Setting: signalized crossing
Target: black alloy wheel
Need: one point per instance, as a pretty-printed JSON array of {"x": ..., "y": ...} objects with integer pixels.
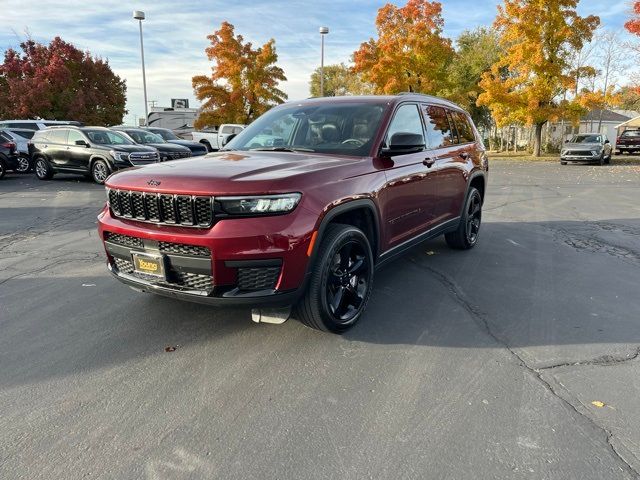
[
  {"x": 466, "y": 235},
  {"x": 341, "y": 280}
]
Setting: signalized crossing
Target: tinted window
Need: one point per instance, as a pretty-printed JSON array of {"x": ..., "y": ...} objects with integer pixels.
[
  {"x": 438, "y": 127},
  {"x": 406, "y": 120},
  {"x": 335, "y": 128},
  {"x": 75, "y": 135},
  {"x": 465, "y": 131},
  {"x": 586, "y": 139},
  {"x": 631, "y": 133},
  {"x": 107, "y": 137},
  {"x": 165, "y": 134},
  {"x": 5, "y": 138},
  {"x": 59, "y": 135},
  {"x": 143, "y": 136},
  {"x": 29, "y": 125},
  {"x": 27, "y": 134}
]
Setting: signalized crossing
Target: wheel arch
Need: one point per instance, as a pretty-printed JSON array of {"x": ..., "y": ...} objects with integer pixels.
[{"x": 361, "y": 213}]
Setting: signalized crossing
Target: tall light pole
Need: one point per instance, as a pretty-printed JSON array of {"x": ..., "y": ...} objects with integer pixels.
[
  {"x": 138, "y": 15},
  {"x": 323, "y": 31}
]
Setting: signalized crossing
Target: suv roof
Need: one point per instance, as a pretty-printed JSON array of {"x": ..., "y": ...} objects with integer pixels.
[{"x": 417, "y": 97}]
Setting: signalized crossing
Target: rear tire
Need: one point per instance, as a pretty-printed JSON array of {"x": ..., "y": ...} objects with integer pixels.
[
  {"x": 43, "y": 169},
  {"x": 341, "y": 281},
  {"x": 563, "y": 163},
  {"x": 466, "y": 235},
  {"x": 3, "y": 168},
  {"x": 601, "y": 159},
  {"x": 24, "y": 164}
]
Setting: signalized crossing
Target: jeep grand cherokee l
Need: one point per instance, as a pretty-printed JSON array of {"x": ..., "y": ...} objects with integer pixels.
[
  {"x": 301, "y": 206},
  {"x": 91, "y": 151}
]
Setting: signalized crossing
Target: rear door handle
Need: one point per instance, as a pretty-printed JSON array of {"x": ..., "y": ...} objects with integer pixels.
[{"x": 429, "y": 161}]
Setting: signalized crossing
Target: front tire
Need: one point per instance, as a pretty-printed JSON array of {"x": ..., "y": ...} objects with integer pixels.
[
  {"x": 341, "y": 281},
  {"x": 3, "y": 168},
  {"x": 99, "y": 171},
  {"x": 466, "y": 235},
  {"x": 24, "y": 164},
  {"x": 43, "y": 169}
]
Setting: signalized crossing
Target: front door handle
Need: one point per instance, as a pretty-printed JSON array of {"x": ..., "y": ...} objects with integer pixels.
[{"x": 429, "y": 161}]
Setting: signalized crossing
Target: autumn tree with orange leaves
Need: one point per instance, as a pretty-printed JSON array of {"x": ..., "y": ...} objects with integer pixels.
[
  {"x": 244, "y": 81},
  {"x": 526, "y": 84},
  {"x": 410, "y": 53},
  {"x": 633, "y": 25}
]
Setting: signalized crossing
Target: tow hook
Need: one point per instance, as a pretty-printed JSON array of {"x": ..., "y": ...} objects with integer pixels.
[{"x": 275, "y": 316}]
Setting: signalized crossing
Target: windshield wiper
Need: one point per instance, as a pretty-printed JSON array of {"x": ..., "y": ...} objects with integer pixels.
[{"x": 280, "y": 149}]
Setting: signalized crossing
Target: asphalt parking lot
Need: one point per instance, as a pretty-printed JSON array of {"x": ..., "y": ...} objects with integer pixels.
[{"x": 478, "y": 364}]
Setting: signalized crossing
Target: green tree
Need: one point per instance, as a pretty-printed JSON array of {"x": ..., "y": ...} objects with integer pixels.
[
  {"x": 339, "y": 80},
  {"x": 59, "y": 81},
  {"x": 526, "y": 85},
  {"x": 476, "y": 51},
  {"x": 244, "y": 81}
]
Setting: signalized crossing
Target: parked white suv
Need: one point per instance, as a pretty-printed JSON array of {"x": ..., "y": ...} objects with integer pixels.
[{"x": 213, "y": 139}]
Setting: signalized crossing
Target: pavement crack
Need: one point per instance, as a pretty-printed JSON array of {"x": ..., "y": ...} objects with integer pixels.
[
  {"x": 603, "y": 361},
  {"x": 481, "y": 320}
]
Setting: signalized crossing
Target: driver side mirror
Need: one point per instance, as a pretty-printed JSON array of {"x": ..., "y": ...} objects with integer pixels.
[
  {"x": 82, "y": 143},
  {"x": 566, "y": 141},
  {"x": 228, "y": 139},
  {"x": 402, "y": 142},
  {"x": 606, "y": 141}
]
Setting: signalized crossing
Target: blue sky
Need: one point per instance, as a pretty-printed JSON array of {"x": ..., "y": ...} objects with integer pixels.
[{"x": 175, "y": 33}]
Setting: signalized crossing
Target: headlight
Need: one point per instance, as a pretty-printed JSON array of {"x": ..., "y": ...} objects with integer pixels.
[
  {"x": 259, "y": 205},
  {"x": 119, "y": 156}
]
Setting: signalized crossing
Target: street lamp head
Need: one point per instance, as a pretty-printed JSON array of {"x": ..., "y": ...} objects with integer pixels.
[
  {"x": 138, "y": 15},
  {"x": 323, "y": 30}
]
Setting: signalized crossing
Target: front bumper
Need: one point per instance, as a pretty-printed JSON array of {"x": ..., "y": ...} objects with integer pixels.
[
  {"x": 580, "y": 158},
  {"x": 249, "y": 261}
]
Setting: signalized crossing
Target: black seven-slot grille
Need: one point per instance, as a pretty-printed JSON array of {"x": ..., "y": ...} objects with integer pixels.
[{"x": 183, "y": 210}]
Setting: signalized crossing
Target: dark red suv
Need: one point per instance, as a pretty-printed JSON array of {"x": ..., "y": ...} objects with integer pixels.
[{"x": 301, "y": 207}]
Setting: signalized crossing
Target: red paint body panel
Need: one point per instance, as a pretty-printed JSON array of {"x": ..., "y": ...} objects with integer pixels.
[{"x": 409, "y": 196}]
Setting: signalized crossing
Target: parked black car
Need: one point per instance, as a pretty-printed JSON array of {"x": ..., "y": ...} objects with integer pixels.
[
  {"x": 168, "y": 136},
  {"x": 168, "y": 151},
  {"x": 8, "y": 155},
  {"x": 91, "y": 151}
]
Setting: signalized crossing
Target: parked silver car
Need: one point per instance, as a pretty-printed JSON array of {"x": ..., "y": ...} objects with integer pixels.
[
  {"x": 21, "y": 138},
  {"x": 586, "y": 147}
]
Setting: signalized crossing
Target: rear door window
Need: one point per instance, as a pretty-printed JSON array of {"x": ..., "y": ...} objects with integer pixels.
[
  {"x": 58, "y": 136},
  {"x": 406, "y": 120},
  {"x": 74, "y": 136},
  {"x": 465, "y": 131},
  {"x": 438, "y": 126}
]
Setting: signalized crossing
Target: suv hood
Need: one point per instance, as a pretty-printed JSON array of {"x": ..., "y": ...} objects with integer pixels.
[
  {"x": 581, "y": 146},
  {"x": 232, "y": 173},
  {"x": 168, "y": 147},
  {"x": 128, "y": 148}
]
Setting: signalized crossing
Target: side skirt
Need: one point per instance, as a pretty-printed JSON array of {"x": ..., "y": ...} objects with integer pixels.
[{"x": 398, "y": 250}]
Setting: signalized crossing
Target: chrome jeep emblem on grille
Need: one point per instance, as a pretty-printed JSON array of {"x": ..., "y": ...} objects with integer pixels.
[{"x": 154, "y": 183}]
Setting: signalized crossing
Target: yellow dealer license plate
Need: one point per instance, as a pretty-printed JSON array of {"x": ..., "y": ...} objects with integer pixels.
[{"x": 148, "y": 264}]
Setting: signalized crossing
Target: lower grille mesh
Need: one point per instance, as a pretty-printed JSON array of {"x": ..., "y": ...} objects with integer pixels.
[{"x": 258, "y": 278}]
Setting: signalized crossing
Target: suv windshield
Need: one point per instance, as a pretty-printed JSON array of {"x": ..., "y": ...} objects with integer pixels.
[
  {"x": 340, "y": 129},
  {"x": 630, "y": 133},
  {"x": 140, "y": 136},
  {"x": 586, "y": 139},
  {"x": 165, "y": 134},
  {"x": 107, "y": 137}
]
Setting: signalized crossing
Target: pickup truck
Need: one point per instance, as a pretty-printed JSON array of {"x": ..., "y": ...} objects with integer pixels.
[
  {"x": 629, "y": 141},
  {"x": 214, "y": 139}
]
